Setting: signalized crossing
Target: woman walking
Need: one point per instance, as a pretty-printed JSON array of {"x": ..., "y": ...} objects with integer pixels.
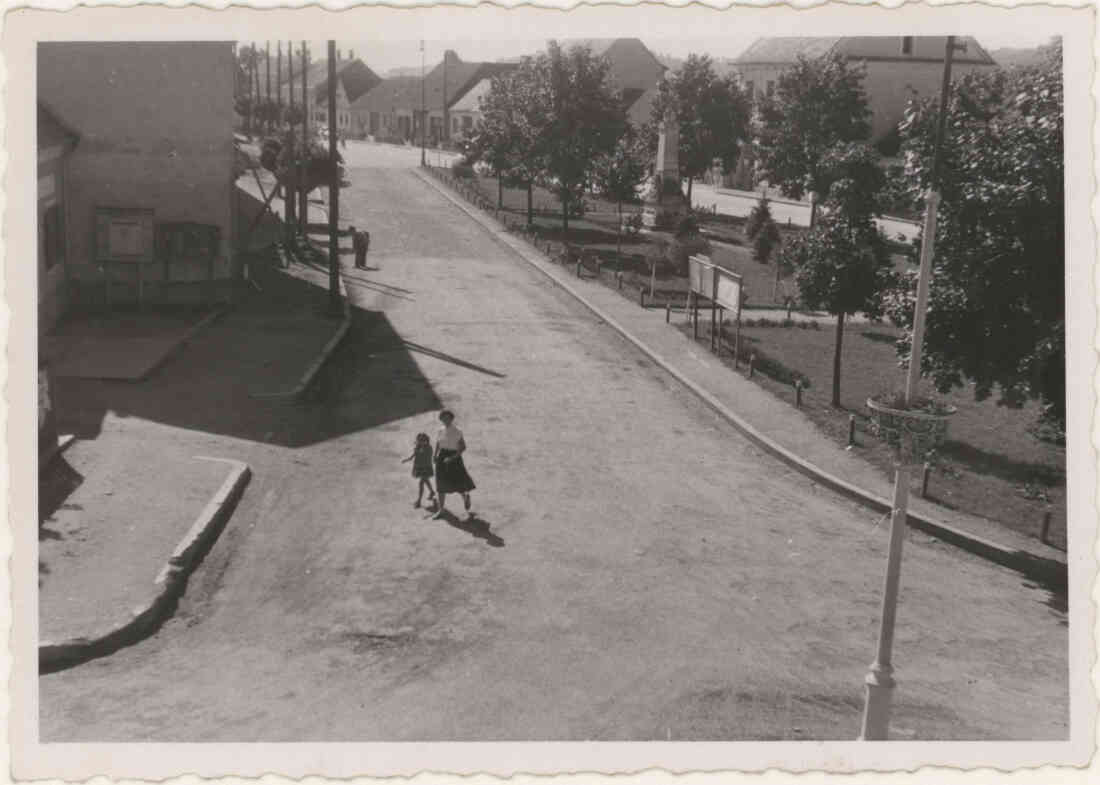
[{"x": 450, "y": 471}]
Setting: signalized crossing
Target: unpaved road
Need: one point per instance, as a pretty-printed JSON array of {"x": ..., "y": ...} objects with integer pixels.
[{"x": 636, "y": 569}]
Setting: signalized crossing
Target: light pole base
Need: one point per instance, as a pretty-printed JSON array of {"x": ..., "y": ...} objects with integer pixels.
[{"x": 876, "y": 710}]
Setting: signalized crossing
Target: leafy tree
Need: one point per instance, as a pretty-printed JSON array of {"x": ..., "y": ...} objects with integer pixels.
[
  {"x": 505, "y": 138},
  {"x": 713, "y": 114},
  {"x": 996, "y": 313},
  {"x": 580, "y": 119},
  {"x": 817, "y": 103},
  {"x": 842, "y": 265},
  {"x": 619, "y": 173}
]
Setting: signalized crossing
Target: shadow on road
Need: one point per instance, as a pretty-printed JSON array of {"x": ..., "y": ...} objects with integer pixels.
[{"x": 475, "y": 526}]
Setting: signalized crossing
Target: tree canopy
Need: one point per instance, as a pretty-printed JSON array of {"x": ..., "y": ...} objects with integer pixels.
[
  {"x": 816, "y": 104},
  {"x": 713, "y": 113},
  {"x": 996, "y": 313}
]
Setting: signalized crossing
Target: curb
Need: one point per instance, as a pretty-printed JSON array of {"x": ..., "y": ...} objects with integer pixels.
[
  {"x": 1029, "y": 564},
  {"x": 306, "y": 379},
  {"x": 169, "y": 585},
  {"x": 194, "y": 330}
]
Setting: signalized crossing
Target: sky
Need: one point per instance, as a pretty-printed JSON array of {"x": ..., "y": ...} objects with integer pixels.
[{"x": 381, "y": 56}]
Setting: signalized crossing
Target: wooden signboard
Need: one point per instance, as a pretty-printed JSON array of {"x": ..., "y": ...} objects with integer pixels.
[{"x": 727, "y": 291}]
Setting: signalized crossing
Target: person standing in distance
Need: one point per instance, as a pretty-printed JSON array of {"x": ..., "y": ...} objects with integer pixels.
[{"x": 450, "y": 470}]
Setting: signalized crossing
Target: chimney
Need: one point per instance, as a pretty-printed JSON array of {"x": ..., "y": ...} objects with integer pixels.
[{"x": 450, "y": 56}]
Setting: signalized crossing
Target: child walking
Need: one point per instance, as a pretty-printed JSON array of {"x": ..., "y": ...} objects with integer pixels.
[{"x": 422, "y": 467}]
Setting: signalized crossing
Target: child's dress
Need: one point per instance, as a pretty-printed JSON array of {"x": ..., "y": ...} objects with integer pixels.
[{"x": 422, "y": 461}]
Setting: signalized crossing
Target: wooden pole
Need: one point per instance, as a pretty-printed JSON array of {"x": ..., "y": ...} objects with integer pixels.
[
  {"x": 333, "y": 189},
  {"x": 303, "y": 193},
  {"x": 267, "y": 59}
]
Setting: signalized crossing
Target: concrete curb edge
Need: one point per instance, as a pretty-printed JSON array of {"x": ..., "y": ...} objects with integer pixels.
[
  {"x": 169, "y": 585},
  {"x": 325, "y": 354},
  {"x": 1029, "y": 564}
]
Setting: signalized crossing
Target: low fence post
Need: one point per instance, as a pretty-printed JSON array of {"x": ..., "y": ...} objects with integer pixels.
[
  {"x": 925, "y": 472},
  {"x": 852, "y": 435},
  {"x": 668, "y": 312},
  {"x": 1044, "y": 530},
  {"x": 752, "y": 364},
  {"x": 578, "y": 268},
  {"x": 798, "y": 393},
  {"x": 619, "y": 280},
  {"x": 641, "y": 297}
]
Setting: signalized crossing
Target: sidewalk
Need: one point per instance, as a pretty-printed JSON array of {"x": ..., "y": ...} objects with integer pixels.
[
  {"x": 765, "y": 419},
  {"x": 158, "y": 466}
]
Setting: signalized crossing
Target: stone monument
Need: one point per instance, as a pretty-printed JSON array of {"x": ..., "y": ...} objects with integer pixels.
[{"x": 664, "y": 203}]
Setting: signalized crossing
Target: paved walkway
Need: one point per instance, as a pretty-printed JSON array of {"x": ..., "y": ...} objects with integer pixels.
[
  {"x": 774, "y": 418},
  {"x": 115, "y": 505}
]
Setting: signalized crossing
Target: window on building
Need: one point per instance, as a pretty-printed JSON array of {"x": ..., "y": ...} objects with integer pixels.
[
  {"x": 467, "y": 123},
  {"x": 770, "y": 88},
  {"x": 52, "y": 245},
  {"x": 751, "y": 87},
  {"x": 907, "y": 45}
]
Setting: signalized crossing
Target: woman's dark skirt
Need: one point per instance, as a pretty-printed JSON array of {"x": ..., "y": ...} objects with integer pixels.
[{"x": 451, "y": 475}]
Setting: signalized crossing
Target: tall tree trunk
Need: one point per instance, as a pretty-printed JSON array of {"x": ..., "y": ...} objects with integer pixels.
[
  {"x": 530, "y": 205},
  {"x": 775, "y": 290},
  {"x": 691, "y": 181},
  {"x": 836, "y": 359},
  {"x": 565, "y": 216},
  {"x": 500, "y": 191}
]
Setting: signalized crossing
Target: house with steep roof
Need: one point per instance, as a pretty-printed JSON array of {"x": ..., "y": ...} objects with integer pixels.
[
  {"x": 897, "y": 67},
  {"x": 395, "y": 109},
  {"x": 353, "y": 80}
]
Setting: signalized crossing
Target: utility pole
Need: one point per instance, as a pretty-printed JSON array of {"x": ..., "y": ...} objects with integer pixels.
[
  {"x": 880, "y": 680},
  {"x": 279, "y": 84},
  {"x": 423, "y": 106},
  {"x": 267, "y": 59},
  {"x": 333, "y": 189},
  {"x": 446, "y": 132},
  {"x": 303, "y": 194},
  {"x": 291, "y": 193},
  {"x": 254, "y": 87}
]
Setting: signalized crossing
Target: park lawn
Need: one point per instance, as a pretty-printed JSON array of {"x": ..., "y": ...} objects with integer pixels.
[{"x": 988, "y": 466}]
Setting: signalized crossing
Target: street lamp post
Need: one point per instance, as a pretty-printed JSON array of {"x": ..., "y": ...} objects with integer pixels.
[
  {"x": 423, "y": 108},
  {"x": 880, "y": 680}
]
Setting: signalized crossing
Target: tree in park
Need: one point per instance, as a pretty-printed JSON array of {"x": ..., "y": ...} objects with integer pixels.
[
  {"x": 580, "y": 119},
  {"x": 816, "y": 104},
  {"x": 842, "y": 265},
  {"x": 713, "y": 113},
  {"x": 619, "y": 173},
  {"x": 996, "y": 314},
  {"x": 763, "y": 233},
  {"x": 507, "y": 137}
]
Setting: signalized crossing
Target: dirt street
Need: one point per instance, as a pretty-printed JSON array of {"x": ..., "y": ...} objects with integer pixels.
[{"x": 635, "y": 569}]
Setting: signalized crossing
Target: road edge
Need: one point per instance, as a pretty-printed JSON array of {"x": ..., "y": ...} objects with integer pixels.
[
  {"x": 1029, "y": 564},
  {"x": 169, "y": 584}
]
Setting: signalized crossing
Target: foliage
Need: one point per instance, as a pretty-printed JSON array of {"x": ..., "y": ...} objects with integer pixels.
[
  {"x": 618, "y": 173},
  {"x": 840, "y": 266},
  {"x": 816, "y": 104},
  {"x": 551, "y": 121},
  {"x": 761, "y": 229},
  {"x": 996, "y": 314},
  {"x": 687, "y": 226},
  {"x": 682, "y": 246},
  {"x": 461, "y": 167},
  {"x": 580, "y": 118},
  {"x": 713, "y": 115}
]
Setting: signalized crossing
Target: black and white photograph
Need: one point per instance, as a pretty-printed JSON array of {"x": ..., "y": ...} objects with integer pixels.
[{"x": 472, "y": 375}]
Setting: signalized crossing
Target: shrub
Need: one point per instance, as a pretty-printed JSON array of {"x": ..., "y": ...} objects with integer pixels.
[
  {"x": 682, "y": 247},
  {"x": 462, "y": 168}
]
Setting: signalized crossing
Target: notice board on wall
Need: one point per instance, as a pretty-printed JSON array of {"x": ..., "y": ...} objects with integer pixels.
[{"x": 123, "y": 234}]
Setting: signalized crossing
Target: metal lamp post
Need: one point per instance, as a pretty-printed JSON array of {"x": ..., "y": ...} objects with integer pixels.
[
  {"x": 423, "y": 109},
  {"x": 880, "y": 680},
  {"x": 333, "y": 189}
]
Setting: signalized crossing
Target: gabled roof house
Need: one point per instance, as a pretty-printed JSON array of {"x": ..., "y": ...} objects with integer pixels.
[{"x": 897, "y": 67}]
